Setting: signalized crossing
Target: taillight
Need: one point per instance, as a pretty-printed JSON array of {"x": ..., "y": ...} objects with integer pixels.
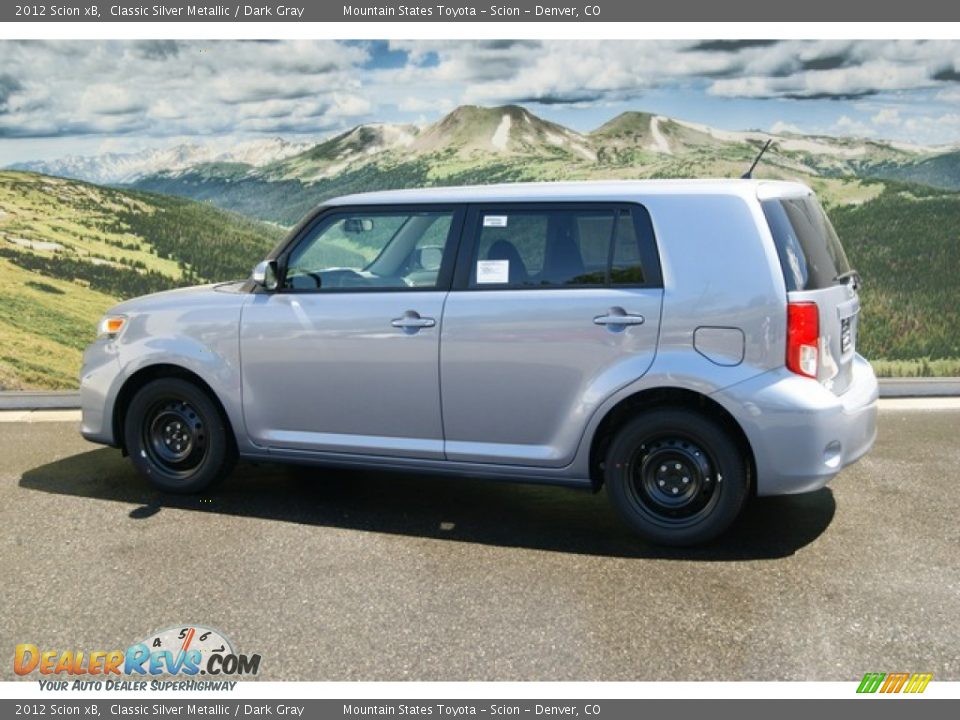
[{"x": 803, "y": 338}]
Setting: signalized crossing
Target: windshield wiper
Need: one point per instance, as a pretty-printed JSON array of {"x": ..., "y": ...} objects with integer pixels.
[{"x": 847, "y": 277}]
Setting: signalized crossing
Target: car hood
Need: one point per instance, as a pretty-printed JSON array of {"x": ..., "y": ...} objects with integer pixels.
[{"x": 181, "y": 298}]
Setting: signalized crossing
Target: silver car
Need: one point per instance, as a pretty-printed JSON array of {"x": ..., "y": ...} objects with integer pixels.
[{"x": 685, "y": 343}]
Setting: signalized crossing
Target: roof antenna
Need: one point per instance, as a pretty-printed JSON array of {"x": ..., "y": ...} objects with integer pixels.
[{"x": 749, "y": 173}]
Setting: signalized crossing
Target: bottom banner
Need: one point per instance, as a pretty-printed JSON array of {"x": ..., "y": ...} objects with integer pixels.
[{"x": 436, "y": 709}]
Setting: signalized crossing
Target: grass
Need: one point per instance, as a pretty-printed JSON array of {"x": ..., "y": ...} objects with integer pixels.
[
  {"x": 44, "y": 325},
  {"x": 76, "y": 216},
  {"x": 96, "y": 251},
  {"x": 924, "y": 367},
  {"x": 905, "y": 246}
]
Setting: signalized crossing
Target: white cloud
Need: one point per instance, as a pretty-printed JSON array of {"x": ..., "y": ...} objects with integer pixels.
[
  {"x": 601, "y": 71},
  {"x": 932, "y": 130},
  {"x": 163, "y": 109},
  {"x": 950, "y": 95},
  {"x": 846, "y": 125},
  {"x": 109, "y": 99},
  {"x": 165, "y": 88},
  {"x": 887, "y": 116},
  {"x": 350, "y": 105},
  {"x": 867, "y": 79},
  {"x": 424, "y": 105},
  {"x": 216, "y": 88}
]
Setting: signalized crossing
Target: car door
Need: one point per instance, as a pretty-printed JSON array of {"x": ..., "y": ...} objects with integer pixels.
[
  {"x": 554, "y": 307},
  {"x": 343, "y": 356}
]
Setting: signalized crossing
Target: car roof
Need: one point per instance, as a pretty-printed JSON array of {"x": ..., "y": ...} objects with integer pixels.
[{"x": 573, "y": 191}]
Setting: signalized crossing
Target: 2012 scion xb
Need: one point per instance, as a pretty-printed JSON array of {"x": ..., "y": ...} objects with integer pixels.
[{"x": 684, "y": 343}]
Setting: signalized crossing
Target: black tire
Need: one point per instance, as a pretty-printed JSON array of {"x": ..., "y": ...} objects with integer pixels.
[
  {"x": 177, "y": 437},
  {"x": 676, "y": 477}
]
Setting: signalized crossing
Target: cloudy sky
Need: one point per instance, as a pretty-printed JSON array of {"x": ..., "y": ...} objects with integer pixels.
[{"x": 86, "y": 97}]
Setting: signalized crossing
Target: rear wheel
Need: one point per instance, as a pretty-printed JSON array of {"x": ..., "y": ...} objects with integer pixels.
[
  {"x": 676, "y": 477},
  {"x": 177, "y": 437}
]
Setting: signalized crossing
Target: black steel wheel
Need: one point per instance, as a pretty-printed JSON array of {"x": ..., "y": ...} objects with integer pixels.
[
  {"x": 676, "y": 477},
  {"x": 177, "y": 437},
  {"x": 174, "y": 436}
]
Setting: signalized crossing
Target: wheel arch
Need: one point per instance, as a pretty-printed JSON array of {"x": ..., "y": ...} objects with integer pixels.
[
  {"x": 660, "y": 397},
  {"x": 148, "y": 374}
]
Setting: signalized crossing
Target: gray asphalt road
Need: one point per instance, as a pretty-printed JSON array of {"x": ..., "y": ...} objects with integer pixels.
[{"x": 342, "y": 576}]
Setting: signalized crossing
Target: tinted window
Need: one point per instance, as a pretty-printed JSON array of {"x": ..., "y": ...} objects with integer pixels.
[
  {"x": 626, "y": 267},
  {"x": 558, "y": 247},
  {"x": 811, "y": 255},
  {"x": 371, "y": 250}
]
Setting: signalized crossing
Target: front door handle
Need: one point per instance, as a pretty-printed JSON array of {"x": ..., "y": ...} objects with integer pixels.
[
  {"x": 411, "y": 321},
  {"x": 618, "y": 317}
]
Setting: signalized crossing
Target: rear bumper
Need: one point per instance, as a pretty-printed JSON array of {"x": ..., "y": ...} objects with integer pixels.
[
  {"x": 802, "y": 434},
  {"x": 100, "y": 381}
]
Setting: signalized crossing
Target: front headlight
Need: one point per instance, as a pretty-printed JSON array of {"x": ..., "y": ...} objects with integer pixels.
[{"x": 110, "y": 326}]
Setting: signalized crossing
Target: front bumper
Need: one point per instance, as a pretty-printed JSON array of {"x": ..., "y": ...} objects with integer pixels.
[
  {"x": 100, "y": 382},
  {"x": 802, "y": 434}
]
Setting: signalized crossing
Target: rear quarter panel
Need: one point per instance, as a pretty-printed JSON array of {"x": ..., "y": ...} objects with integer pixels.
[{"x": 720, "y": 271}]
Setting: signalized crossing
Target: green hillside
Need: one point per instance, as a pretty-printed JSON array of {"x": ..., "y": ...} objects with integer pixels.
[
  {"x": 70, "y": 250},
  {"x": 941, "y": 171},
  {"x": 906, "y": 245}
]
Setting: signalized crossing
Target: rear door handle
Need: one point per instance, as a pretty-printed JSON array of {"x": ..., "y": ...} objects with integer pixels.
[
  {"x": 412, "y": 321},
  {"x": 617, "y": 316}
]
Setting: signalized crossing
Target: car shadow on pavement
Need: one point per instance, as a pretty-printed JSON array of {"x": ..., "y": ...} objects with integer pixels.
[{"x": 504, "y": 514}]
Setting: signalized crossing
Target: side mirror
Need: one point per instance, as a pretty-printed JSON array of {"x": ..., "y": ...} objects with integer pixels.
[{"x": 265, "y": 274}]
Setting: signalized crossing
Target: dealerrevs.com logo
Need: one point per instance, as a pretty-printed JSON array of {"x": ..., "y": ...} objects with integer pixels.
[
  {"x": 187, "y": 650},
  {"x": 897, "y": 682}
]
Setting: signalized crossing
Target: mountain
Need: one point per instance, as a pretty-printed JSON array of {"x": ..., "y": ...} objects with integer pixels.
[
  {"x": 328, "y": 158},
  {"x": 940, "y": 171},
  {"x": 509, "y": 143},
  {"x": 69, "y": 250},
  {"x": 472, "y": 132},
  {"x": 640, "y": 132},
  {"x": 485, "y": 144},
  {"x": 123, "y": 168}
]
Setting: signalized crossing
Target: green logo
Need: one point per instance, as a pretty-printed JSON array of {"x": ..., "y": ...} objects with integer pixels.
[{"x": 894, "y": 682}]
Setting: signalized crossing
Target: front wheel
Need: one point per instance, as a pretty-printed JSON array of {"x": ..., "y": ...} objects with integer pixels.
[
  {"x": 177, "y": 437},
  {"x": 676, "y": 477}
]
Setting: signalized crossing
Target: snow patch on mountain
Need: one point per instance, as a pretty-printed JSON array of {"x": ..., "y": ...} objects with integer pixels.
[
  {"x": 660, "y": 143},
  {"x": 501, "y": 135},
  {"x": 820, "y": 148},
  {"x": 738, "y": 136},
  {"x": 555, "y": 139}
]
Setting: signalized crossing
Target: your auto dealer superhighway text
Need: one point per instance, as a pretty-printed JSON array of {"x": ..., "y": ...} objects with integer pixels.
[{"x": 224, "y": 11}]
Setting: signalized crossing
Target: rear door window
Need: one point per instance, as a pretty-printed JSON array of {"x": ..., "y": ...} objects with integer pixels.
[
  {"x": 810, "y": 252},
  {"x": 594, "y": 245}
]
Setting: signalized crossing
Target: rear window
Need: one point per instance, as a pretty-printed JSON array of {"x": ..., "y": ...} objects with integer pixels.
[{"x": 811, "y": 255}]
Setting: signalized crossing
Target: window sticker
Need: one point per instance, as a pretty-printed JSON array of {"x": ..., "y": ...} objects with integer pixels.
[
  {"x": 493, "y": 271},
  {"x": 494, "y": 220}
]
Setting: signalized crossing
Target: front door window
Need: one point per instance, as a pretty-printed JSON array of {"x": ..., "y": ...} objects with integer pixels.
[{"x": 371, "y": 250}]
